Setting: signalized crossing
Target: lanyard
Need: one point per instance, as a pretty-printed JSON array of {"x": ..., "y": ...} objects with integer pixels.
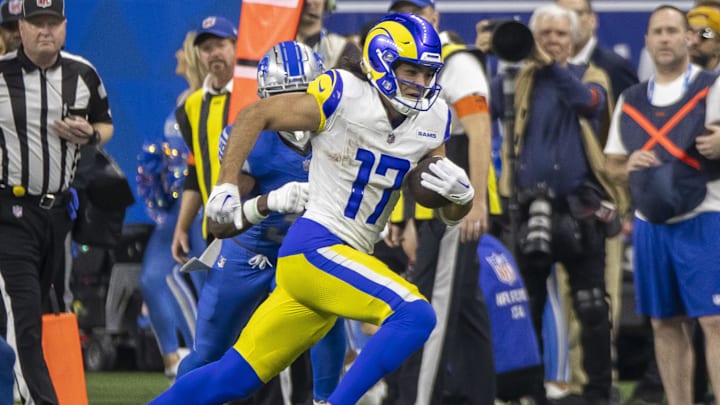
[{"x": 651, "y": 84}]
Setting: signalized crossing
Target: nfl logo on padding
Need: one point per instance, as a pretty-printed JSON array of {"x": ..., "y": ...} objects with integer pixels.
[
  {"x": 44, "y": 3},
  {"x": 502, "y": 268},
  {"x": 17, "y": 211}
]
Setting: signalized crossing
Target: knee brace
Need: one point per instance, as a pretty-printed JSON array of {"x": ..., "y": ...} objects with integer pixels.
[{"x": 591, "y": 306}]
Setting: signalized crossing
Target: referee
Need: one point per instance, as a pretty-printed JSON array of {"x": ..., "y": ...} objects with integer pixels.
[{"x": 51, "y": 103}]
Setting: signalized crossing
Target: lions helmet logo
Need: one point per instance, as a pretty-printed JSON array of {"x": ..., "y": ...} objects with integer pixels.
[{"x": 502, "y": 268}]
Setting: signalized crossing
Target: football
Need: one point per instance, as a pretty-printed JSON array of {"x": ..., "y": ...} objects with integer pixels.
[{"x": 422, "y": 195}]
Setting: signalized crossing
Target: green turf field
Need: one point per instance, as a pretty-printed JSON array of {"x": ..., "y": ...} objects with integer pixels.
[
  {"x": 124, "y": 388},
  {"x": 135, "y": 388}
]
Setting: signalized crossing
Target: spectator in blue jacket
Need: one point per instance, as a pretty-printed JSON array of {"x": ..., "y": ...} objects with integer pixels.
[{"x": 559, "y": 184}]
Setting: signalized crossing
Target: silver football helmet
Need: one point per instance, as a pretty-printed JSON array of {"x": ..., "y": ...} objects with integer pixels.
[{"x": 286, "y": 67}]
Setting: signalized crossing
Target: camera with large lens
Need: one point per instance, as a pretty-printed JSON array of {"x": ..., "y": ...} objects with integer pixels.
[
  {"x": 511, "y": 40},
  {"x": 536, "y": 235}
]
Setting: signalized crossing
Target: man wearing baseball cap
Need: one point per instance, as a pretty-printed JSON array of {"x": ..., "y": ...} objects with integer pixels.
[
  {"x": 55, "y": 8},
  {"x": 10, "y": 12},
  {"x": 461, "y": 341},
  {"x": 215, "y": 26},
  {"x": 40, "y": 125},
  {"x": 203, "y": 116},
  {"x": 705, "y": 43}
]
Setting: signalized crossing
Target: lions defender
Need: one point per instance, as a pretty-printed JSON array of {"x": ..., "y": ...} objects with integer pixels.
[{"x": 372, "y": 125}]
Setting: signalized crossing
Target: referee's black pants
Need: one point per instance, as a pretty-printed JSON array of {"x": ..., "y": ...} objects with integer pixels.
[
  {"x": 456, "y": 364},
  {"x": 32, "y": 250}
]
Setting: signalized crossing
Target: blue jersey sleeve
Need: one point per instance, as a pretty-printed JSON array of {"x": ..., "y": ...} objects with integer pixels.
[{"x": 224, "y": 136}]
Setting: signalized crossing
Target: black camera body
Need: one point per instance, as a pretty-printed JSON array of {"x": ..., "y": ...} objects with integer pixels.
[
  {"x": 536, "y": 235},
  {"x": 553, "y": 228}
]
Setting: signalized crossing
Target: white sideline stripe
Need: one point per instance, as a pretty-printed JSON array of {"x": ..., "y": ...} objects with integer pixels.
[
  {"x": 442, "y": 294},
  {"x": 349, "y": 7}
]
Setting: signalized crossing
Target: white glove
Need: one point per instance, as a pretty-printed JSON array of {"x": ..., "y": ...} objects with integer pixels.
[
  {"x": 289, "y": 199},
  {"x": 449, "y": 180},
  {"x": 224, "y": 205}
]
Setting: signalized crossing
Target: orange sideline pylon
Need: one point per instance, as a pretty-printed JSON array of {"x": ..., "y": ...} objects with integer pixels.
[
  {"x": 263, "y": 23},
  {"x": 63, "y": 355}
]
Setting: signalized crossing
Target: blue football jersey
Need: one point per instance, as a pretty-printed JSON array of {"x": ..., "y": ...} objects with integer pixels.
[{"x": 272, "y": 163}]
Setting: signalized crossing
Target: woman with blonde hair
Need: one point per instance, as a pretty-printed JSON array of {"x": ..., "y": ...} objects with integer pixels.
[
  {"x": 162, "y": 167},
  {"x": 189, "y": 66}
]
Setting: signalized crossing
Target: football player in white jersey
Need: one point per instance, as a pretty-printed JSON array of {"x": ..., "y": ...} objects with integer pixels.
[{"x": 373, "y": 124}]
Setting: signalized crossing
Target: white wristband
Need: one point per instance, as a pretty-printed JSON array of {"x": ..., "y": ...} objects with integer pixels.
[{"x": 250, "y": 209}]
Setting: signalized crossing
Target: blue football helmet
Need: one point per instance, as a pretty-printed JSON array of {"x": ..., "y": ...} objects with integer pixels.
[
  {"x": 398, "y": 38},
  {"x": 286, "y": 67}
]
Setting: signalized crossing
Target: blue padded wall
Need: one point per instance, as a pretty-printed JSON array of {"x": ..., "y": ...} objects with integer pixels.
[{"x": 132, "y": 43}]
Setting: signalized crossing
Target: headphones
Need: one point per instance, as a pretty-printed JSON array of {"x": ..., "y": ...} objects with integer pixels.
[{"x": 330, "y": 6}]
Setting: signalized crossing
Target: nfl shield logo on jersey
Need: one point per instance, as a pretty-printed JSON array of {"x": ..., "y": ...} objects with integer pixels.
[
  {"x": 17, "y": 211},
  {"x": 15, "y": 7},
  {"x": 43, "y": 3},
  {"x": 502, "y": 268}
]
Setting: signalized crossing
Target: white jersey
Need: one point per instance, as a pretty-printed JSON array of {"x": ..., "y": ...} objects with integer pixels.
[
  {"x": 359, "y": 161},
  {"x": 462, "y": 76}
]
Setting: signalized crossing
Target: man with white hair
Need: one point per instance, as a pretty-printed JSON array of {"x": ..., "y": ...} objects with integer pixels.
[
  {"x": 558, "y": 181},
  {"x": 619, "y": 70}
]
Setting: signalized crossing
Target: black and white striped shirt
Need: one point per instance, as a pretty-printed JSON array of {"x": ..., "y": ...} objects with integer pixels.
[{"x": 31, "y": 99}]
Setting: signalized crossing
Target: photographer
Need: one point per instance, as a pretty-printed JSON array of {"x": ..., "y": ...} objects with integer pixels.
[{"x": 565, "y": 205}]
